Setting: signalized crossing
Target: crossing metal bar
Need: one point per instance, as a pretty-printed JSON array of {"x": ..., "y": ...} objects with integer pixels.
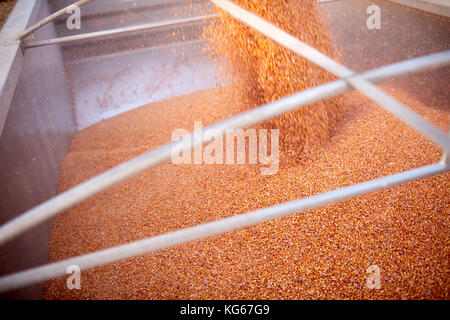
[
  {"x": 115, "y": 175},
  {"x": 98, "y": 258},
  {"x": 112, "y": 32},
  {"x": 315, "y": 56},
  {"x": 49, "y": 19}
]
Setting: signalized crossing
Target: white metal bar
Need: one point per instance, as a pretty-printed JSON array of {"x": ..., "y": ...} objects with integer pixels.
[
  {"x": 315, "y": 56},
  {"x": 105, "y": 33},
  {"x": 49, "y": 19},
  {"x": 49, "y": 271},
  {"x": 115, "y": 175},
  {"x": 445, "y": 156}
]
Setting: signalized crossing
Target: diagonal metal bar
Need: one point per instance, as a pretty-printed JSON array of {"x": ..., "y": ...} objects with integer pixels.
[
  {"x": 315, "y": 56},
  {"x": 113, "y": 32},
  {"x": 49, "y": 19},
  {"x": 98, "y": 258},
  {"x": 115, "y": 175}
]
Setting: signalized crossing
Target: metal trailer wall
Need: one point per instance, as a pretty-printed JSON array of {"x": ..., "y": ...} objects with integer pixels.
[
  {"x": 113, "y": 74},
  {"x": 35, "y": 138}
]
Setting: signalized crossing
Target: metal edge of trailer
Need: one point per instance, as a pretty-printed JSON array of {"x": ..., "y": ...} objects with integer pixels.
[
  {"x": 37, "y": 124},
  {"x": 101, "y": 7},
  {"x": 11, "y": 54},
  {"x": 437, "y": 7}
]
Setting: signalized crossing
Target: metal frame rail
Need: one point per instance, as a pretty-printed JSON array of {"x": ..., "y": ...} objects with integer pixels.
[
  {"x": 115, "y": 175},
  {"x": 113, "y": 32},
  {"x": 50, "y": 18}
]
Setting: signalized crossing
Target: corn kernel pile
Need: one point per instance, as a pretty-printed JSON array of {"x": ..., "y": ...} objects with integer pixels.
[
  {"x": 316, "y": 254},
  {"x": 5, "y": 9},
  {"x": 262, "y": 71}
]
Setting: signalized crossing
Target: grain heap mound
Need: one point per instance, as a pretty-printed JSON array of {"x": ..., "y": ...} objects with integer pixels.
[
  {"x": 316, "y": 254},
  {"x": 262, "y": 71}
]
